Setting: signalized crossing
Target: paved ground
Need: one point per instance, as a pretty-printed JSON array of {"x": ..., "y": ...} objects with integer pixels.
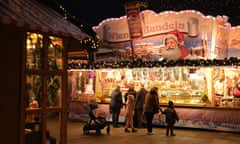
[{"x": 118, "y": 136}]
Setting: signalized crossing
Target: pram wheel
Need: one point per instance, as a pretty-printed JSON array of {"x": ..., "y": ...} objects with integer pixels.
[
  {"x": 85, "y": 129},
  {"x": 108, "y": 129},
  {"x": 98, "y": 131}
]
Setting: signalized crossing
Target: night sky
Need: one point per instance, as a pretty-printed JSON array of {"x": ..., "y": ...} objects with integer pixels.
[{"x": 95, "y": 11}]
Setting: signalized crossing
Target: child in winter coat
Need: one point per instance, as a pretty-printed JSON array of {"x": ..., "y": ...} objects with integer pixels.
[
  {"x": 130, "y": 106},
  {"x": 171, "y": 118}
]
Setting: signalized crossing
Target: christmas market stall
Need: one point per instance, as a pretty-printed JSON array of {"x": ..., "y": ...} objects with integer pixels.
[
  {"x": 191, "y": 58},
  {"x": 35, "y": 40}
]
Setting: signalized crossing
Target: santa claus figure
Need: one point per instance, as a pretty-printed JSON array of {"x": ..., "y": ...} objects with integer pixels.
[{"x": 173, "y": 46}]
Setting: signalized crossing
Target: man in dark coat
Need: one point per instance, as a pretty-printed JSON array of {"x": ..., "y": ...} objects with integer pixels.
[
  {"x": 116, "y": 105},
  {"x": 139, "y": 102}
]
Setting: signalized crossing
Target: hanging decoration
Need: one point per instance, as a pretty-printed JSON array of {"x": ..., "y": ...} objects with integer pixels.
[{"x": 232, "y": 61}]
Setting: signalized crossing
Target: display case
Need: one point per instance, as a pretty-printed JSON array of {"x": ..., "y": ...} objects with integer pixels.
[
  {"x": 183, "y": 85},
  {"x": 81, "y": 92},
  {"x": 186, "y": 86},
  {"x": 81, "y": 85}
]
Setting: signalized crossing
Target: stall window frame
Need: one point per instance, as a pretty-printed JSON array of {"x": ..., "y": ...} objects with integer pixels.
[{"x": 44, "y": 109}]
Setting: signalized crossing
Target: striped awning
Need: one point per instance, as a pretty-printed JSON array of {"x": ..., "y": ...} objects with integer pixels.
[{"x": 33, "y": 15}]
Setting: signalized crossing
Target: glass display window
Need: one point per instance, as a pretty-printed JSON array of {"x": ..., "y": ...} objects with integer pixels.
[
  {"x": 225, "y": 83},
  {"x": 53, "y": 128},
  {"x": 55, "y": 53},
  {"x": 190, "y": 86},
  {"x": 34, "y": 51},
  {"x": 82, "y": 85},
  {"x": 181, "y": 84},
  {"x": 54, "y": 88},
  {"x": 45, "y": 86},
  {"x": 33, "y": 97},
  {"x": 33, "y": 129}
]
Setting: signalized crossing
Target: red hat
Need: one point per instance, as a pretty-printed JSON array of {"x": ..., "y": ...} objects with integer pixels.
[{"x": 178, "y": 36}]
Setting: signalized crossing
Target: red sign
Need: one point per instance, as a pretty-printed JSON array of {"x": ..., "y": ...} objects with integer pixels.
[{"x": 134, "y": 21}]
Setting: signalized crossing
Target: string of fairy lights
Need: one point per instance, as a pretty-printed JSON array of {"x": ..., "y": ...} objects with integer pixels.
[{"x": 138, "y": 63}]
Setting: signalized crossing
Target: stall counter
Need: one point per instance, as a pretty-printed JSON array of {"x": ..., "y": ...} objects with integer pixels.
[{"x": 200, "y": 117}]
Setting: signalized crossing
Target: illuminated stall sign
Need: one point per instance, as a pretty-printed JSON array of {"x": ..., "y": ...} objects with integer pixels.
[
  {"x": 196, "y": 37},
  {"x": 234, "y": 42}
]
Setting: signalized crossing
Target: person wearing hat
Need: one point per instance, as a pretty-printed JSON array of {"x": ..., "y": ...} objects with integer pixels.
[
  {"x": 171, "y": 118},
  {"x": 173, "y": 46}
]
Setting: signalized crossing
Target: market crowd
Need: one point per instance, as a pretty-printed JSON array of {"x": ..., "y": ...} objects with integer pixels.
[{"x": 140, "y": 108}]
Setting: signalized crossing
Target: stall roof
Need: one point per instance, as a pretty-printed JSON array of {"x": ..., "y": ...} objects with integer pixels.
[{"x": 33, "y": 15}]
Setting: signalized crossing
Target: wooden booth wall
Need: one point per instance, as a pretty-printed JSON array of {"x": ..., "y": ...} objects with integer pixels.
[{"x": 10, "y": 62}]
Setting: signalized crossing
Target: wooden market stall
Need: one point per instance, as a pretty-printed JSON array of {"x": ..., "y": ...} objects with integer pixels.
[
  {"x": 199, "y": 78},
  {"x": 34, "y": 44}
]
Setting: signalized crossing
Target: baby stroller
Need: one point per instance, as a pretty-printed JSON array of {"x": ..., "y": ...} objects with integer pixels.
[{"x": 97, "y": 121}]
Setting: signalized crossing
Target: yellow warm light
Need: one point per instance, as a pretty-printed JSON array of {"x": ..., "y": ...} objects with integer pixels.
[{"x": 28, "y": 44}]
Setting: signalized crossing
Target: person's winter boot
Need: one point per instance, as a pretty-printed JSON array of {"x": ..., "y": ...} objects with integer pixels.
[
  {"x": 134, "y": 130},
  {"x": 167, "y": 132},
  {"x": 126, "y": 130}
]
